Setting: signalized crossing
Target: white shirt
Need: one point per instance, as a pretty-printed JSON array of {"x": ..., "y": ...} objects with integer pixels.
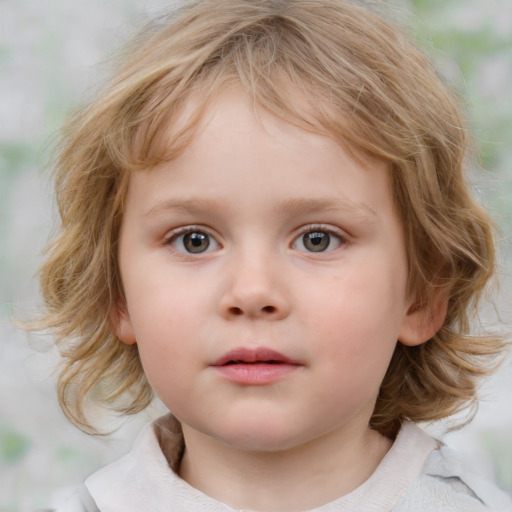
[{"x": 418, "y": 474}]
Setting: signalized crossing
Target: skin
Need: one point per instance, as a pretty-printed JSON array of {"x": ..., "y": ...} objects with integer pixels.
[{"x": 253, "y": 185}]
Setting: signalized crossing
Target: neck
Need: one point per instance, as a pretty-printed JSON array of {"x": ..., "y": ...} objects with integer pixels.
[{"x": 304, "y": 477}]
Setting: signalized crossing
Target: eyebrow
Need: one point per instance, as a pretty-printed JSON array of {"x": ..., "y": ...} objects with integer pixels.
[
  {"x": 292, "y": 207},
  {"x": 327, "y": 204},
  {"x": 192, "y": 205}
]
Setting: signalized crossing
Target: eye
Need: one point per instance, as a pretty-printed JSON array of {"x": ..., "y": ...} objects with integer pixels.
[
  {"x": 317, "y": 240},
  {"x": 193, "y": 241}
]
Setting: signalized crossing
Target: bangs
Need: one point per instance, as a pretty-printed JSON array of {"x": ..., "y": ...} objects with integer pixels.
[{"x": 313, "y": 79}]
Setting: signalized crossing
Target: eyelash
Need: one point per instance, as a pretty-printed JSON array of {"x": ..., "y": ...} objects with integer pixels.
[
  {"x": 177, "y": 237},
  {"x": 182, "y": 232},
  {"x": 331, "y": 232}
]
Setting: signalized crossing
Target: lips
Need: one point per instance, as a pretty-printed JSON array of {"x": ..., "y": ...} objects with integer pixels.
[
  {"x": 253, "y": 356},
  {"x": 258, "y": 366}
]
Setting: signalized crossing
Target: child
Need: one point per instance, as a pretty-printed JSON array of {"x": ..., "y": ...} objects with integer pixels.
[{"x": 265, "y": 222}]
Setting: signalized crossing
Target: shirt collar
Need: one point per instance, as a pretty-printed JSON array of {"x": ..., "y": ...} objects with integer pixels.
[{"x": 146, "y": 479}]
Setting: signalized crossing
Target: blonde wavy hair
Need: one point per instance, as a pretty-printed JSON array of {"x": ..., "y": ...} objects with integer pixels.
[{"x": 361, "y": 81}]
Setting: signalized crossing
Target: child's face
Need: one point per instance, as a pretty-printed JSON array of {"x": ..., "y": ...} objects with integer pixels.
[{"x": 265, "y": 280}]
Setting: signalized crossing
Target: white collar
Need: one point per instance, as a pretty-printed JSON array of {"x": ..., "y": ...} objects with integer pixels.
[{"x": 144, "y": 481}]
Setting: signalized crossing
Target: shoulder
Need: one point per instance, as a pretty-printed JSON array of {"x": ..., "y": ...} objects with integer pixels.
[
  {"x": 117, "y": 482},
  {"x": 144, "y": 478},
  {"x": 447, "y": 480}
]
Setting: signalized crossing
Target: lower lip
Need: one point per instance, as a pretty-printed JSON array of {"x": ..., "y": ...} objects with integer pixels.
[{"x": 257, "y": 373}]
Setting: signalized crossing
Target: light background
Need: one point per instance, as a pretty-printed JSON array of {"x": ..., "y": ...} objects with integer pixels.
[{"x": 53, "y": 54}]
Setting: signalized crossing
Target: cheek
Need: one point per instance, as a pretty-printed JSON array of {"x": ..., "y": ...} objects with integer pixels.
[
  {"x": 167, "y": 332},
  {"x": 159, "y": 300},
  {"x": 357, "y": 321},
  {"x": 169, "y": 360}
]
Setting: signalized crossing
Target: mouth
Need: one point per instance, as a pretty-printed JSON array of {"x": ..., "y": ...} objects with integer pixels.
[
  {"x": 255, "y": 366},
  {"x": 256, "y": 356}
]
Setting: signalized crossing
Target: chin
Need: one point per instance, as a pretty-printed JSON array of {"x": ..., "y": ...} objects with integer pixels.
[{"x": 267, "y": 437}]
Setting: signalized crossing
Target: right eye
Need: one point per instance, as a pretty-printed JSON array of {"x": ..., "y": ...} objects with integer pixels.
[
  {"x": 318, "y": 240},
  {"x": 193, "y": 241}
]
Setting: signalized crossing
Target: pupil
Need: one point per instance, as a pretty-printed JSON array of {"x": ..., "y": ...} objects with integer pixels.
[
  {"x": 196, "y": 242},
  {"x": 316, "y": 241}
]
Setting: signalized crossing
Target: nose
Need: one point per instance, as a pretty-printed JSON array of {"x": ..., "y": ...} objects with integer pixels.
[{"x": 254, "y": 289}]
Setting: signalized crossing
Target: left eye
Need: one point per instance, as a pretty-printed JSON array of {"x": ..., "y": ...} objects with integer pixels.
[
  {"x": 317, "y": 240},
  {"x": 193, "y": 242}
]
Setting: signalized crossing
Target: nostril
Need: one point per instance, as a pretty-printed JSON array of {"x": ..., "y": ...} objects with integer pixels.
[{"x": 236, "y": 311}]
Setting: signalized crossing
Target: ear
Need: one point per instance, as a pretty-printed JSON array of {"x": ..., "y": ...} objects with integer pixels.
[
  {"x": 122, "y": 324},
  {"x": 424, "y": 318}
]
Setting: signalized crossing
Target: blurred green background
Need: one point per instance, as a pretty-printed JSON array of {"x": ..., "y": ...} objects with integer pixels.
[{"x": 53, "y": 53}]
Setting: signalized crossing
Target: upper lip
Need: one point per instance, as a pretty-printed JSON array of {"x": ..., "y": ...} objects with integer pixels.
[{"x": 252, "y": 355}]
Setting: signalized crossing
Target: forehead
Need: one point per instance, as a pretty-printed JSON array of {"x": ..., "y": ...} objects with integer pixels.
[
  {"x": 286, "y": 112},
  {"x": 242, "y": 152}
]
